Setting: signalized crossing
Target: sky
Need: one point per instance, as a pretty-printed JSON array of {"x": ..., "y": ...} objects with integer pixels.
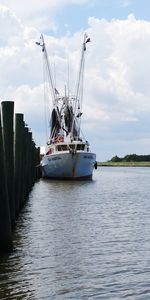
[{"x": 116, "y": 99}]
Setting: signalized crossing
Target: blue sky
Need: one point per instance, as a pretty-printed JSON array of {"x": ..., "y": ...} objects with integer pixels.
[
  {"x": 116, "y": 104},
  {"x": 76, "y": 16}
]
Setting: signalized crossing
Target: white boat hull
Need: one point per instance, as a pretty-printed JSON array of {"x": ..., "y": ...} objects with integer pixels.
[{"x": 68, "y": 166}]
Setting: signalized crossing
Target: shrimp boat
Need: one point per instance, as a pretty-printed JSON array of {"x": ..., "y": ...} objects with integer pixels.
[{"x": 68, "y": 154}]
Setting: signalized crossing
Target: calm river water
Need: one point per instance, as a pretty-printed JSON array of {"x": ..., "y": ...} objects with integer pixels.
[{"x": 82, "y": 240}]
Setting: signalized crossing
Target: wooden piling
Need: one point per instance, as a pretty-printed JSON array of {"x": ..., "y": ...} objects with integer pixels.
[
  {"x": 7, "y": 132},
  {"x": 38, "y": 166},
  {"x": 26, "y": 162},
  {"x": 18, "y": 161},
  {"x": 25, "y": 165},
  {"x": 5, "y": 220},
  {"x": 18, "y": 157}
]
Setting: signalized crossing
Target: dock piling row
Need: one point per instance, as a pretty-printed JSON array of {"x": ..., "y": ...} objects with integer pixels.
[{"x": 18, "y": 167}]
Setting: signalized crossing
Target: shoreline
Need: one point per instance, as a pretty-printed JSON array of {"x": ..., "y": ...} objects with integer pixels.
[{"x": 124, "y": 164}]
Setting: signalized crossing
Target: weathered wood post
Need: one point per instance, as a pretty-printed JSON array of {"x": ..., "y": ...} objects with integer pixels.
[
  {"x": 18, "y": 157},
  {"x": 33, "y": 163},
  {"x": 30, "y": 161},
  {"x": 8, "y": 138},
  {"x": 38, "y": 167},
  {"x": 26, "y": 161},
  {"x": 18, "y": 161},
  {"x": 5, "y": 221},
  {"x": 26, "y": 165}
]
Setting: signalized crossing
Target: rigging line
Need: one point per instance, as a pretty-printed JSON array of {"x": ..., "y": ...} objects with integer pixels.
[
  {"x": 81, "y": 68},
  {"x": 82, "y": 134},
  {"x": 50, "y": 81},
  {"x": 79, "y": 82},
  {"x": 53, "y": 133},
  {"x": 81, "y": 87},
  {"x": 45, "y": 106},
  {"x": 81, "y": 99},
  {"x": 68, "y": 76},
  {"x": 48, "y": 68},
  {"x": 54, "y": 64}
]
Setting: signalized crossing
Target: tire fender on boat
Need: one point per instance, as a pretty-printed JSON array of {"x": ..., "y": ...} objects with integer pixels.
[{"x": 95, "y": 165}]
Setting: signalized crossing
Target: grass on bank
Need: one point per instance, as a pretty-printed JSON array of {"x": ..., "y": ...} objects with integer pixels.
[{"x": 124, "y": 164}]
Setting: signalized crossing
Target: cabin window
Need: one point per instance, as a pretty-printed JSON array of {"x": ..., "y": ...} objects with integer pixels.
[
  {"x": 80, "y": 147},
  {"x": 72, "y": 146},
  {"x": 62, "y": 148}
]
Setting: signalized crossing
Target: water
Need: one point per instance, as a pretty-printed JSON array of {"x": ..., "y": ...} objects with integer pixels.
[{"x": 82, "y": 240}]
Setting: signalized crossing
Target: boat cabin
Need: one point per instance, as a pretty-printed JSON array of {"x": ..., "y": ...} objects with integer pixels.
[
  {"x": 65, "y": 147},
  {"x": 69, "y": 147}
]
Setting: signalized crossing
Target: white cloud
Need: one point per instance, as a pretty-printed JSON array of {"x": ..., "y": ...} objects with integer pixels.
[
  {"x": 42, "y": 23},
  {"x": 30, "y": 9},
  {"x": 10, "y": 26},
  {"x": 123, "y": 62},
  {"x": 41, "y": 14},
  {"x": 126, "y": 3},
  {"x": 117, "y": 89}
]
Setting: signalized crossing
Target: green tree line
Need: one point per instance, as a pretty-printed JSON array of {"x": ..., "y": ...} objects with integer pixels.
[{"x": 130, "y": 157}]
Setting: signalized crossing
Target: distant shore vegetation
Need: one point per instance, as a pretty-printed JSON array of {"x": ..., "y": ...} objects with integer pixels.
[{"x": 130, "y": 160}]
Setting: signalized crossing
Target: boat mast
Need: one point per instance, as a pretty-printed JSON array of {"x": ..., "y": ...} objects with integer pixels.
[
  {"x": 79, "y": 87},
  {"x": 49, "y": 72}
]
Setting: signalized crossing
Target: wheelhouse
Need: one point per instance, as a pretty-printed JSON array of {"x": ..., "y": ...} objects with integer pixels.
[{"x": 68, "y": 147}]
